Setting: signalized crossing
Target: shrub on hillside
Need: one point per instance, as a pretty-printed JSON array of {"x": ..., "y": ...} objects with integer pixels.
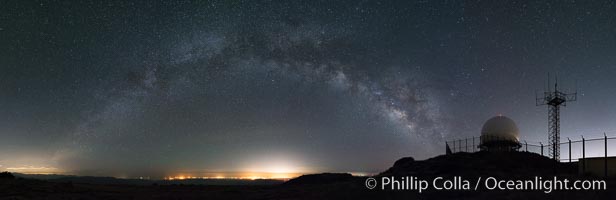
[{"x": 6, "y": 175}]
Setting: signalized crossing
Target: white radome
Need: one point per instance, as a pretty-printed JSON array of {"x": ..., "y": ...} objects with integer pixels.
[
  {"x": 500, "y": 134},
  {"x": 501, "y": 128}
]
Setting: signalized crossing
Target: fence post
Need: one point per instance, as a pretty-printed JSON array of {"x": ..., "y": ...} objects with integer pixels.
[
  {"x": 541, "y": 148},
  {"x": 466, "y": 144},
  {"x": 569, "y": 149},
  {"x": 583, "y": 155},
  {"x": 605, "y": 157},
  {"x": 473, "y": 147},
  {"x": 526, "y": 144}
]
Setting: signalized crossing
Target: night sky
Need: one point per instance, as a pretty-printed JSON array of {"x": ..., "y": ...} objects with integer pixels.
[{"x": 128, "y": 89}]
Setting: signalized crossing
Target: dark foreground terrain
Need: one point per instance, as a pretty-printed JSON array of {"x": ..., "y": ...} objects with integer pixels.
[{"x": 517, "y": 165}]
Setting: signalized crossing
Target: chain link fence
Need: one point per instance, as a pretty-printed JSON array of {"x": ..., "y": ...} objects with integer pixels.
[{"x": 570, "y": 150}]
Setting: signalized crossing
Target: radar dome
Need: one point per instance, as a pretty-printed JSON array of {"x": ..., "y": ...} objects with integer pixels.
[{"x": 500, "y": 133}]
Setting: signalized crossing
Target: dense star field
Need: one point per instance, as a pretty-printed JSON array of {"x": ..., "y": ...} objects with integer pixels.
[{"x": 161, "y": 88}]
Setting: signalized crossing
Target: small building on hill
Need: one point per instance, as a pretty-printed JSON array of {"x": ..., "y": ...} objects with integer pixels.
[{"x": 598, "y": 166}]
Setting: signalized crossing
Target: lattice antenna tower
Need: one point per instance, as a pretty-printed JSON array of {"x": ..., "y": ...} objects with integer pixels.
[{"x": 554, "y": 99}]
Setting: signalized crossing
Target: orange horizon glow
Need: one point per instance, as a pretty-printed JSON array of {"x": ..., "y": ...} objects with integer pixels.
[
  {"x": 248, "y": 175},
  {"x": 186, "y": 176},
  {"x": 236, "y": 175},
  {"x": 34, "y": 170}
]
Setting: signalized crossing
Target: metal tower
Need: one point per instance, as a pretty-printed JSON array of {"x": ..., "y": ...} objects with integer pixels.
[{"x": 554, "y": 99}]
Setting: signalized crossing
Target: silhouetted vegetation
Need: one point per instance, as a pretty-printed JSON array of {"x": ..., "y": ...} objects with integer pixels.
[{"x": 6, "y": 175}]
